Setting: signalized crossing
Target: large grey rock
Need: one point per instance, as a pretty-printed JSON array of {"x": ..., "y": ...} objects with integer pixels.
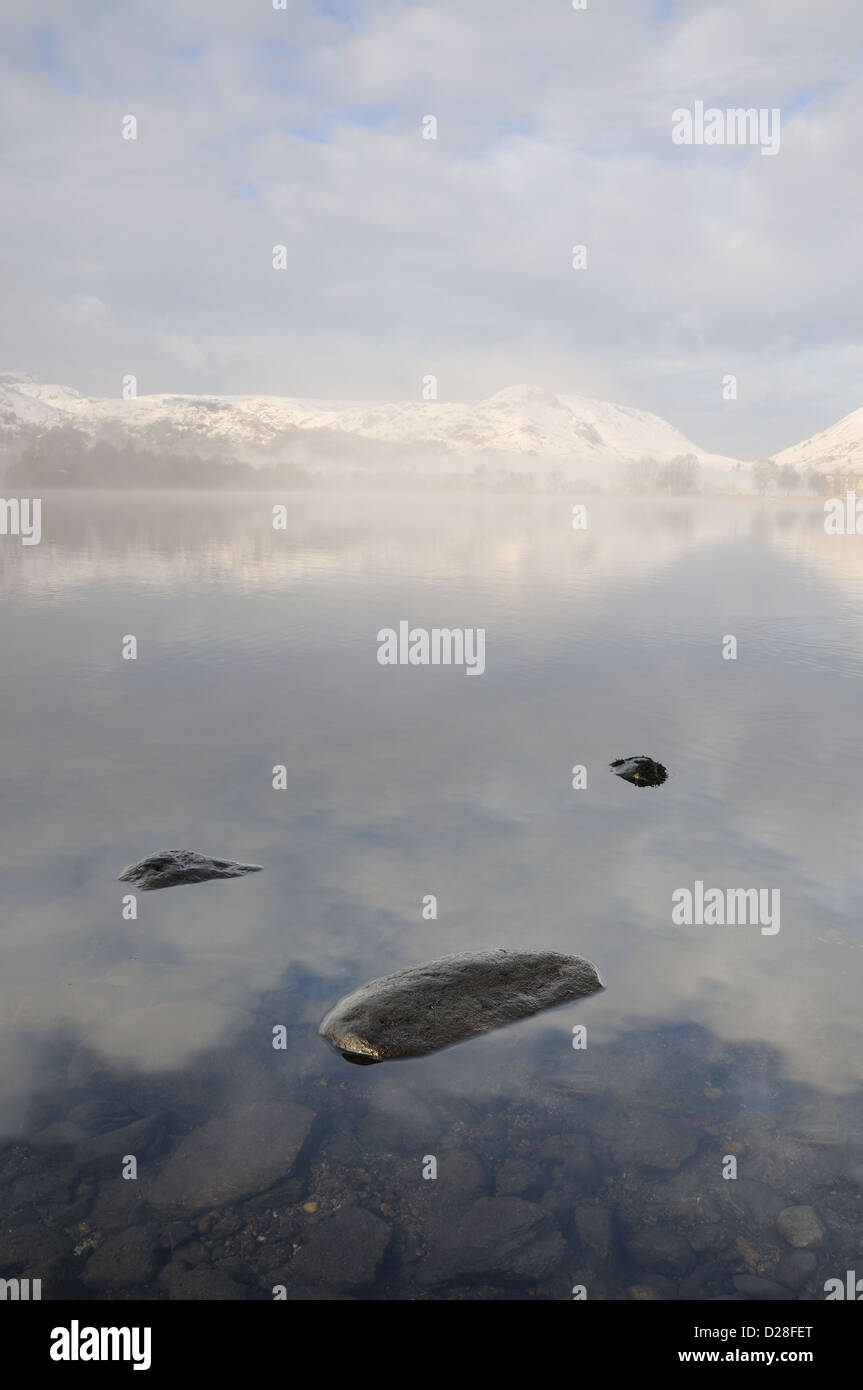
[
  {"x": 233, "y": 1157},
  {"x": 344, "y": 1250},
  {"x": 170, "y": 867},
  {"x": 445, "y": 1001},
  {"x": 501, "y": 1239}
]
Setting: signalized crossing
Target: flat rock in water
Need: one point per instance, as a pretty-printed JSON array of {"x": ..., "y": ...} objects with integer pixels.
[
  {"x": 445, "y": 1001},
  {"x": 233, "y": 1157},
  {"x": 176, "y": 866},
  {"x": 641, "y": 771}
]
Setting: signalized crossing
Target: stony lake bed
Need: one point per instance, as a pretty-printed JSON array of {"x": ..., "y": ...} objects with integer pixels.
[
  {"x": 580, "y": 1186},
  {"x": 693, "y": 1131}
]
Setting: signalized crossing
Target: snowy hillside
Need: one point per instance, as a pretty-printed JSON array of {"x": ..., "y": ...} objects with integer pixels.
[
  {"x": 838, "y": 448},
  {"x": 592, "y": 437}
]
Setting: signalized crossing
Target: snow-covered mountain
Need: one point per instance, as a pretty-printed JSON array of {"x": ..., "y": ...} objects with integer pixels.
[
  {"x": 24, "y": 401},
  {"x": 593, "y": 438},
  {"x": 837, "y": 449}
]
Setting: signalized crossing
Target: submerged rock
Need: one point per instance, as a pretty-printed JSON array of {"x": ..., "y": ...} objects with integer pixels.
[
  {"x": 124, "y": 1260},
  {"x": 796, "y": 1267},
  {"x": 233, "y": 1157},
  {"x": 175, "y": 866},
  {"x": 752, "y": 1286},
  {"x": 103, "y": 1153},
  {"x": 641, "y": 771},
  {"x": 344, "y": 1250},
  {"x": 200, "y": 1285},
  {"x": 445, "y": 1001},
  {"x": 801, "y": 1227},
  {"x": 662, "y": 1249},
  {"x": 652, "y": 1140},
  {"x": 503, "y": 1239}
]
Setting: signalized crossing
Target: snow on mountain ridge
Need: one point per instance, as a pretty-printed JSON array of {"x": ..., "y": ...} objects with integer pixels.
[
  {"x": 526, "y": 420},
  {"x": 839, "y": 447}
]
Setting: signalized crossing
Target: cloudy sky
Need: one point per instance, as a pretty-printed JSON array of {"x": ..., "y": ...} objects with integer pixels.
[{"x": 406, "y": 256}]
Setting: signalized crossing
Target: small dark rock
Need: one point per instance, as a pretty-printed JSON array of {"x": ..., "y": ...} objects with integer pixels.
[
  {"x": 641, "y": 771},
  {"x": 170, "y": 867}
]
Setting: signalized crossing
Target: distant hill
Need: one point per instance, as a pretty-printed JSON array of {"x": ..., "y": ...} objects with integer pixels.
[
  {"x": 520, "y": 428},
  {"x": 838, "y": 449}
]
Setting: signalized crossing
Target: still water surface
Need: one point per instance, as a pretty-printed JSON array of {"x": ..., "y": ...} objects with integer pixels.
[{"x": 557, "y": 1166}]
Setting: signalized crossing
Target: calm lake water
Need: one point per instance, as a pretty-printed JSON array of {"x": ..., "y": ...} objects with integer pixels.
[{"x": 607, "y": 1167}]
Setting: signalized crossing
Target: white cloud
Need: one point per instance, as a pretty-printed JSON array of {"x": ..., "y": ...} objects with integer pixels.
[{"x": 406, "y": 256}]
